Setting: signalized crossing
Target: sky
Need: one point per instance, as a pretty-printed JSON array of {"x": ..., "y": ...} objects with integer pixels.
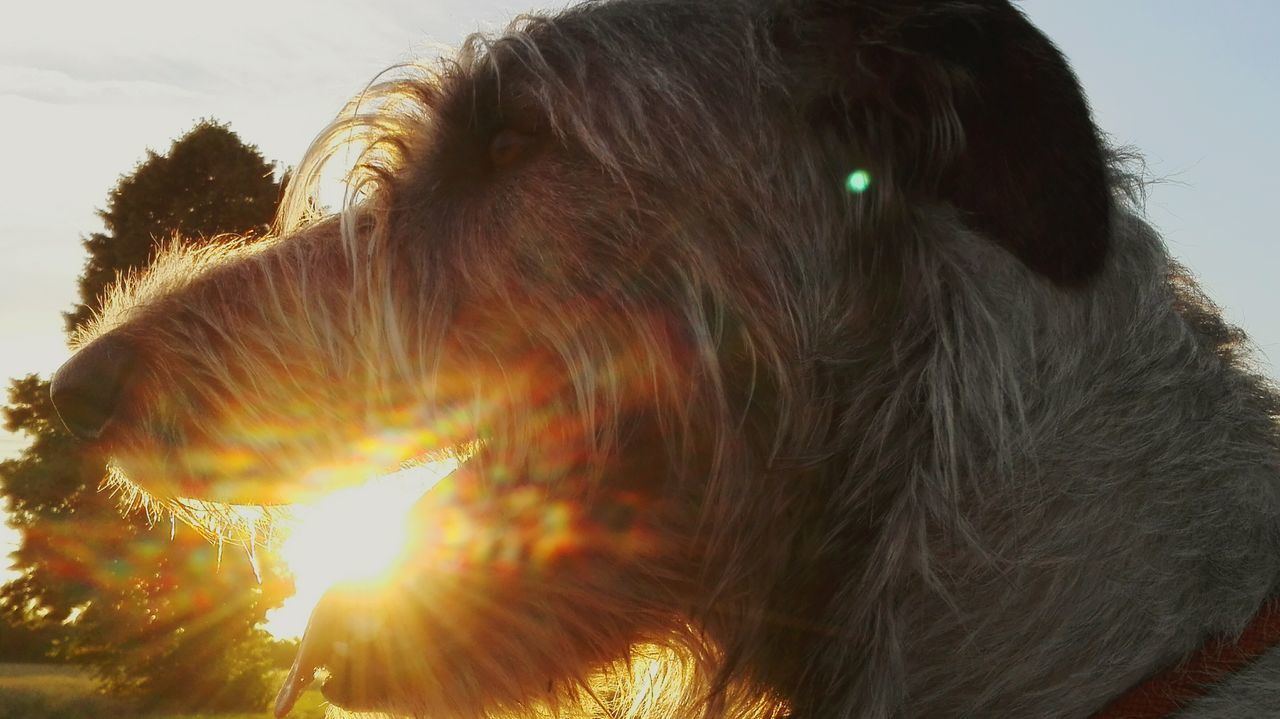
[{"x": 86, "y": 88}]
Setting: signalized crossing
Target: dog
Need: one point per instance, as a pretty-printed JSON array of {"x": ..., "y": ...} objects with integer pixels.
[{"x": 806, "y": 359}]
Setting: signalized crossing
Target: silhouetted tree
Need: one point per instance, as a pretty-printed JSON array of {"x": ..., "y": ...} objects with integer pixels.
[
  {"x": 25, "y": 637},
  {"x": 154, "y": 610},
  {"x": 208, "y": 183}
]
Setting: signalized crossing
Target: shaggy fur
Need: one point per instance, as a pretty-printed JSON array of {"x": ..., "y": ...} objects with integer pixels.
[{"x": 745, "y": 439}]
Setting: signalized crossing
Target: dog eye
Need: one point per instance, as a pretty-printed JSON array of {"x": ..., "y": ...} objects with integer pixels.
[{"x": 509, "y": 146}]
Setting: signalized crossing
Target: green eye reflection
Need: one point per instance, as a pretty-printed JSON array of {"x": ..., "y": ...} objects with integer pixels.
[{"x": 858, "y": 181}]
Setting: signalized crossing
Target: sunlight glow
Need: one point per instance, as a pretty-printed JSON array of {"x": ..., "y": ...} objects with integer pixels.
[{"x": 351, "y": 537}]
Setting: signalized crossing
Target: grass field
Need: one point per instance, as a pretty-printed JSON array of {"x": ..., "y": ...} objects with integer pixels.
[{"x": 44, "y": 691}]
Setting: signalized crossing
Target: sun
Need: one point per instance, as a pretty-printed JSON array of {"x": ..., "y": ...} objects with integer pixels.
[{"x": 351, "y": 537}]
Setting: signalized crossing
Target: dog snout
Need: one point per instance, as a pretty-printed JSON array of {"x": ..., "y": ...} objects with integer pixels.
[{"x": 87, "y": 390}]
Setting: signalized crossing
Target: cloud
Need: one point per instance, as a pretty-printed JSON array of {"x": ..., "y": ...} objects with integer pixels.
[{"x": 61, "y": 88}]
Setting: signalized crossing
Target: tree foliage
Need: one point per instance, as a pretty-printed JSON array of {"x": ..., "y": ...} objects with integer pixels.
[
  {"x": 155, "y": 610},
  {"x": 209, "y": 183}
]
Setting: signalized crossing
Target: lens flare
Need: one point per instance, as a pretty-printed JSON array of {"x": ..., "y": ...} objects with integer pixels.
[
  {"x": 349, "y": 538},
  {"x": 858, "y": 182}
]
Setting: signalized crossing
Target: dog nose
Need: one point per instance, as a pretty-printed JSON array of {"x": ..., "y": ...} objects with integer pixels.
[{"x": 87, "y": 389}]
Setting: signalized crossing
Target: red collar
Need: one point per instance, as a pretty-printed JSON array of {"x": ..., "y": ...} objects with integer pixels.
[{"x": 1176, "y": 687}]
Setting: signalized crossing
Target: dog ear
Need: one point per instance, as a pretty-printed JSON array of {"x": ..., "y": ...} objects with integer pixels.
[{"x": 965, "y": 101}]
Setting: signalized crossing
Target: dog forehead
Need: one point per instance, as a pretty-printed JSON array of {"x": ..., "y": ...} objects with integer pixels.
[
  {"x": 715, "y": 51},
  {"x": 593, "y": 46}
]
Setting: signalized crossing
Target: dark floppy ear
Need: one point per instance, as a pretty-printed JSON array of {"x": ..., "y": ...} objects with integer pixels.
[{"x": 966, "y": 101}]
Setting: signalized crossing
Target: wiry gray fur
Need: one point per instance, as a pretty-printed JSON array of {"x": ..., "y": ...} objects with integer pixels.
[{"x": 898, "y": 454}]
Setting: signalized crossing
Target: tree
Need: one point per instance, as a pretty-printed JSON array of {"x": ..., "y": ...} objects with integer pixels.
[
  {"x": 153, "y": 609},
  {"x": 25, "y": 638},
  {"x": 208, "y": 184}
]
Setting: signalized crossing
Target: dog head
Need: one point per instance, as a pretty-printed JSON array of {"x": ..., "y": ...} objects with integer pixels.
[{"x": 653, "y": 268}]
